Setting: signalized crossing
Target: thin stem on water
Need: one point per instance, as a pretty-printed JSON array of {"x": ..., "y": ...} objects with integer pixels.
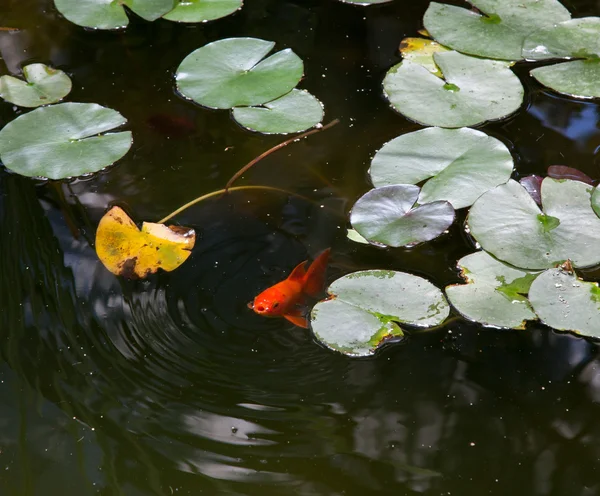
[
  {"x": 241, "y": 172},
  {"x": 225, "y": 190}
]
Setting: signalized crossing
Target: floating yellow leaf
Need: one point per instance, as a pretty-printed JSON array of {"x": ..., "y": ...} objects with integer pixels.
[
  {"x": 126, "y": 251},
  {"x": 420, "y": 51}
]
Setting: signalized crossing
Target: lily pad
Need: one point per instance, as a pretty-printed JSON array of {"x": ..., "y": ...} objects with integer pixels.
[
  {"x": 366, "y": 307},
  {"x": 565, "y": 302},
  {"x": 103, "y": 14},
  {"x": 126, "y": 251},
  {"x": 357, "y": 238},
  {"x": 596, "y": 200},
  {"x": 497, "y": 33},
  {"x": 495, "y": 293},
  {"x": 63, "y": 140},
  {"x": 232, "y": 73},
  {"x": 202, "y": 10},
  {"x": 43, "y": 85},
  {"x": 508, "y": 223},
  {"x": 420, "y": 51},
  {"x": 576, "y": 39},
  {"x": 292, "y": 113},
  {"x": 461, "y": 164},
  {"x": 365, "y": 2},
  {"x": 388, "y": 215},
  {"x": 473, "y": 90}
]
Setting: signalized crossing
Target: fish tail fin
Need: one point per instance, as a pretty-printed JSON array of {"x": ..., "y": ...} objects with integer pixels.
[{"x": 314, "y": 280}]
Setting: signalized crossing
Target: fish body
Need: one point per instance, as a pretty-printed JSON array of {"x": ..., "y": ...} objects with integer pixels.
[{"x": 287, "y": 298}]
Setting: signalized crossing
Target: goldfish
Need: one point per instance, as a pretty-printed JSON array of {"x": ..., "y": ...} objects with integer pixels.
[{"x": 287, "y": 298}]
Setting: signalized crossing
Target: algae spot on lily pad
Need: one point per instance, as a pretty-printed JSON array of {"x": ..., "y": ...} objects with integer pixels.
[
  {"x": 234, "y": 72},
  {"x": 458, "y": 164},
  {"x": 495, "y": 293},
  {"x": 43, "y": 85},
  {"x": 472, "y": 90},
  {"x": 297, "y": 111},
  {"x": 130, "y": 252},
  {"x": 498, "y": 32},
  {"x": 388, "y": 215},
  {"x": 420, "y": 51},
  {"x": 575, "y": 39},
  {"x": 567, "y": 303},
  {"x": 103, "y": 14},
  {"x": 366, "y": 308},
  {"x": 202, "y": 10},
  {"x": 507, "y": 222},
  {"x": 64, "y": 140}
]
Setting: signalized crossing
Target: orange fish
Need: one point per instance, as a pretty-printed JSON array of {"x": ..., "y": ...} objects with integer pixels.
[{"x": 287, "y": 298}]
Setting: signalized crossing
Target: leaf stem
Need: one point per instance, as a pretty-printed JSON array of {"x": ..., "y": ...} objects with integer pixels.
[
  {"x": 239, "y": 173},
  {"x": 225, "y": 190}
]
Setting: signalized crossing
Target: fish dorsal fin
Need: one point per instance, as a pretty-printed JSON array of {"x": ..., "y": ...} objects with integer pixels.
[
  {"x": 315, "y": 275},
  {"x": 299, "y": 273}
]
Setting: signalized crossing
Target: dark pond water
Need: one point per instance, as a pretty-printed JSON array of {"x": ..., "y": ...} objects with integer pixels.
[{"x": 172, "y": 386}]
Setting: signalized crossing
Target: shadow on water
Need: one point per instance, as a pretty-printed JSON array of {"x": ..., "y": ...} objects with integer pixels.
[{"x": 172, "y": 386}]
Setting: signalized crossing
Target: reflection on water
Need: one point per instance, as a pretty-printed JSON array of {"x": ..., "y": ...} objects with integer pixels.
[{"x": 172, "y": 386}]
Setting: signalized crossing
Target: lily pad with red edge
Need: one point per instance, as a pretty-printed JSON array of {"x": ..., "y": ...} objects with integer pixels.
[{"x": 132, "y": 253}]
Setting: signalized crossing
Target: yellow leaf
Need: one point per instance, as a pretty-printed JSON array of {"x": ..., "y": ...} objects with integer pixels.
[
  {"x": 126, "y": 251},
  {"x": 420, "y": 51}
]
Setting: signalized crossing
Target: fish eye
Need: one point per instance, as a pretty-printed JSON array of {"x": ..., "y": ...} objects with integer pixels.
[{"x": 276, "y": 304}]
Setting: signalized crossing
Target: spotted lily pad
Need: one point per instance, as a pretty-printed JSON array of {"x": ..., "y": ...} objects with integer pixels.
[
  {"x": 471, "y": 92},
  {"x": 508, "y": 223},
  {"x": 64, "y": 140},
  {"x": 232, "y": 73},
  {"x": 596, "y": 200},
  {"x": 126, "y": 251},
  {"x": 567, "y": 303},
  {"x": 43, "y": 85},
  {"x": 498, "y": 32},
  {"x": 366, "y": 308},
  {"x": 103, "y": 14},
  {"x": 292, "y": 113},
  {"x": 202, "y": 10},
  {"x": 460, "y": 164},
  {"x": 576, "y": 39},
  {"x": 388, "y": 215},
  {"x": 495, "y": 293}
]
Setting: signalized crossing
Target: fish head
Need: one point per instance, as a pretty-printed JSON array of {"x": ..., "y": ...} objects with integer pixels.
[{"x": 269, "y": 303}]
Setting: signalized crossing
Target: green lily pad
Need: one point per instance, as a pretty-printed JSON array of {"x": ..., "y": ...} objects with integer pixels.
[
  {"x": 365, "y": 2},
  {"x": 388, "y": 215},
  {"x": 462, "y": 164},
  {"x": 357, "y": 238},
  {"x": 576, "y": 39},
  {"x": 508, "y": 223},
  {"x": 498, "y": 33},
  {"x": 366, "y": 307},
  {"x": 63, "y": 140},
  {"x": 567, "y": 303},
  {"x": 202, "y": 10},
  {"x": 473, "y": 90},
  {"x": 42, "y": 86},
  {"x": 292, "y": 113},
  {"x": 232, "y": 73},
  {"x": 596, "y": 200},
  {"x": 103, "y": 14},
  {"x": 494, "y": 294}
]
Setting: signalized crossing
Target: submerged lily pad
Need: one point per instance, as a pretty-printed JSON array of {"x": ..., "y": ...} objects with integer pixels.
[
  {"x": 596, "y": 200},
  {"x": 126, "y": 251},
  {"x": 386, "y": 215},
  {"x": 508, "y": 223},
  {"x": 103, "y": 14},
  {"x": 366, "y": 307},
  {"x": 462, "y": 164},
  {"x": 497, "y": 33},
  {"x": 471, "y": 92},
  {"x": 576, "y": 39},
  {"x": 63, "y": 140},
  {"x": 567, "y": 303},
  {"x": 232, "y": 73},
  {"x": 292, "y": 113},
  {"x": 43, "y": 85},
  {"x": 202, "y": 10},
  {"x": 495, "y": 293}
]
